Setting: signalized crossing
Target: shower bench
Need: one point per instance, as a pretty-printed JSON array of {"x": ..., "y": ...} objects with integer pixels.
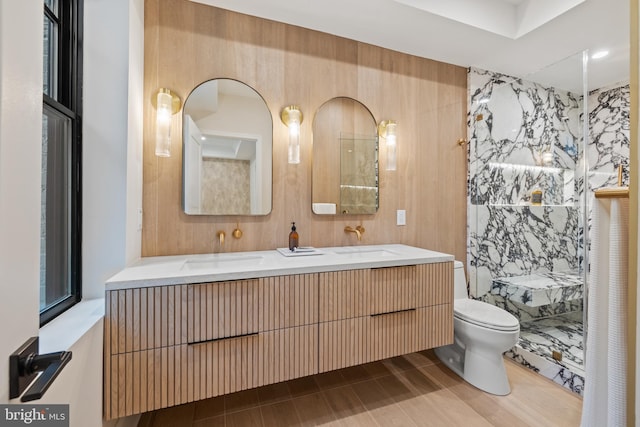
[{"x": 535, "y": 290}]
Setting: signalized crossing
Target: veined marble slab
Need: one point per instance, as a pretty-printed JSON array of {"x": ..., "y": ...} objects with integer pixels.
[{"x": 539, "y": 289}]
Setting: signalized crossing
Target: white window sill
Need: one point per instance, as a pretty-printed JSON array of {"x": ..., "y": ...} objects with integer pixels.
[{"x": 65, "y": 330}]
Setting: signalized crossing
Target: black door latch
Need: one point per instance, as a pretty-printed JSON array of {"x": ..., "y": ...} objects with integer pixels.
[{"x": 24, "y": 365}]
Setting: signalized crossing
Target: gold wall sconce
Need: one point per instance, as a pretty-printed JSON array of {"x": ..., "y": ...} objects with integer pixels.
[
  {"x": 292, "y": 117},
  {"x": 167, "y": 104},
  {"x": 387, "y": 130}
]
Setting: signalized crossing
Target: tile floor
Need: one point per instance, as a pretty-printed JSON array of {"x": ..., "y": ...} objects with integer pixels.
[{"x": 412, "y": 390}]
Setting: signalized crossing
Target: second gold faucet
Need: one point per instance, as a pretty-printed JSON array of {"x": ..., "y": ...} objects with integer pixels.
[{"x": 359, "y": 231}]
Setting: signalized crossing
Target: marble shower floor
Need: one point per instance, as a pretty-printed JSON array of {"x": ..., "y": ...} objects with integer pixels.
[{"x": 562, "y": 333}]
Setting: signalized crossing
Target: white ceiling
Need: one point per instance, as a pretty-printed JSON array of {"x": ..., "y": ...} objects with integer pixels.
[{"x": 514, "y": 37}]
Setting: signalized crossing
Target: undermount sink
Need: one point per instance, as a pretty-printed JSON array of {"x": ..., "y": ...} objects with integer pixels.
[
  {"x": 217, "y": 261},
  {"x": 353, "y": 252}
]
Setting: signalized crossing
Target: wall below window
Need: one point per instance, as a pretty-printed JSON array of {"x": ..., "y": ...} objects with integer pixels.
[{"x": 187, "y": 43}]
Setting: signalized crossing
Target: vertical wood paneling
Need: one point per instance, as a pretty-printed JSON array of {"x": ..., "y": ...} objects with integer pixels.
[{"x": 429, "y": 96}]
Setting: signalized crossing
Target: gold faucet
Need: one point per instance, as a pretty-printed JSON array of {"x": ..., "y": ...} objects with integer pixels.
[
  {"x": 359, "y": 230},
  {"x": 220, "y": 235}
]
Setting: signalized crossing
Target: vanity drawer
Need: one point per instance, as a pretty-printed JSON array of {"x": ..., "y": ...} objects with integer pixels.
[
  {"x": 158, "y": 378},
  {"x": 365, "y": 339},
  {"x": 355, "y": 293},
  {"x": 287, "y": 301},
  {"x": 393, "y": 289},
  {"x": 434, "y": 283},
  {"x": 222, "y": 309}
]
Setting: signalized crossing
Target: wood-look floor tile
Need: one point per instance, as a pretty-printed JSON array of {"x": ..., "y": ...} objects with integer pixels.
[
  {"x": 380, "y": 405},
  {"x": 330, "y": 379},
  {"x": 416, "y": 380},
  {"x": 395, "y": 388},
  {"x": 146, "y": 420},
  {"x": 418, "y": 359},
  {"x": 343, "y": 401},
  {"x": 241, "y": 400},
  {"x": 313, "y": 410},
  {"x": 273, "y": 393},
  {"x": 303, "y": 386},
  {"x": 176, "y": 416},
  {"x": 442, "y": 408},
  {"x": 210, "y": 422},
  {"x": 393, "y": 393},
  {"x": 431, "y": 355},
  {"x": 209, "y": 408},
  {"x": 398, "y": 364},
  {"x": 372, "y": 395},
  {"x": 354, "y": 374},
  {"x": 280, "y": 414},
  {"x": 246, "y": 418},
  {"x": 492, "y": 408},
  {"x": 377, "y": 369}
]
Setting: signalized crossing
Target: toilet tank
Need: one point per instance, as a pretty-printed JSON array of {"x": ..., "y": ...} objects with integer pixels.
[{"x": 459, "y": 281}]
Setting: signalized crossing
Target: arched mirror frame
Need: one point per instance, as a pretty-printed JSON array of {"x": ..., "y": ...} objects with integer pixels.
[
  {"x": 215, "y": 176},
  {"x": 350, "y": 132}
]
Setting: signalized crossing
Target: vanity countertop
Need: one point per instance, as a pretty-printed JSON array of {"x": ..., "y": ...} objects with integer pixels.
[{"x": 184, "y": 269}]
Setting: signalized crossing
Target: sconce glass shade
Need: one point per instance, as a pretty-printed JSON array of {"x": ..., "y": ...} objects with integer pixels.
[
  {"x": 292, "y": 117},
  {"x": 167, "y": 104},
  {"x": 387, "y": 130}
]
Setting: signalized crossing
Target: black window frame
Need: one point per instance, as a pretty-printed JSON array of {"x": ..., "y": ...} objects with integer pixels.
[{"x": 68, "y": 102}]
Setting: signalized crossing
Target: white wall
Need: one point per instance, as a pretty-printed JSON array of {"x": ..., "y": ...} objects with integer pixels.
[
  {"x": 20, "y": 160},
  {"x": 106, "y": 129},
  {"x": 112, "y": 119}
]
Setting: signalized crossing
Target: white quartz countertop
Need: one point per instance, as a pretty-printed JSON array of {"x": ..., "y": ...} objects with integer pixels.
[{"x": 184, "y": 269}]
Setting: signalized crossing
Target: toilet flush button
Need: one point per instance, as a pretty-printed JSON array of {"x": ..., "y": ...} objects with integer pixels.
[{"x": 401, "y": 217}]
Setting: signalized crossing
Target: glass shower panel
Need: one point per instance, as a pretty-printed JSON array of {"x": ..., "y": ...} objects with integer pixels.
[{"x": 526, "y": 200}]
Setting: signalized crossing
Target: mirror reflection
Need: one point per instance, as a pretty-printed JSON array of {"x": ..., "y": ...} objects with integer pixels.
[
  {"x": 227, "y": 146},
  {"x": 345, "y": 159}
]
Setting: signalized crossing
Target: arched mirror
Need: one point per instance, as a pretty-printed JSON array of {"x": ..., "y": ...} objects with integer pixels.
[
  {"x": 227, "y": 150},
  {"x": 345, "y": 159}
]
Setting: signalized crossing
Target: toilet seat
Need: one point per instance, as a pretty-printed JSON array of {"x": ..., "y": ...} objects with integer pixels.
[{"x": 486, "y": 315}]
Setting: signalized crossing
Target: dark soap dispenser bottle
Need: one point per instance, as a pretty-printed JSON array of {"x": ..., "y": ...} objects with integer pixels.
[{"x": 293, "y": 237}]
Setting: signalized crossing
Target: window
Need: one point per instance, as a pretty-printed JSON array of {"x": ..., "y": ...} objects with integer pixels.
[{"x": 60, "y": 278}]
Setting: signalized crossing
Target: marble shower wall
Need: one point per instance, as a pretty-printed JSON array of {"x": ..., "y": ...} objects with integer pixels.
[
  {"x": 524, "y": 136},
  {"x": 608, "y": 144}
]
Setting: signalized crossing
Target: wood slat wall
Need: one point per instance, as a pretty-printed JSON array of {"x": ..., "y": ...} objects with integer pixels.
[{"x": 187, "y": 43}]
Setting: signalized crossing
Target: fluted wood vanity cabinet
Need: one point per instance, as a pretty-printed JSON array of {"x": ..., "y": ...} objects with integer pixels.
[
  {"x": 373, "y": 314},
  {"x": 168, "y": 345}
]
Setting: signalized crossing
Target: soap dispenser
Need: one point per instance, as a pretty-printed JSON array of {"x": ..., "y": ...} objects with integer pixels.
[{"x": 293, "y": 237}]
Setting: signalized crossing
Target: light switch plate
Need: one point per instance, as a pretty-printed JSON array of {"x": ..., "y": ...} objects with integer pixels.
[{"x": 401, "y": 217}]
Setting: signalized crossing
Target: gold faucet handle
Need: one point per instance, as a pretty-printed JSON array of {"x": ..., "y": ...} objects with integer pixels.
[
  {"x": 360, "y": 228},
  {"x": 237, "y": 233}
]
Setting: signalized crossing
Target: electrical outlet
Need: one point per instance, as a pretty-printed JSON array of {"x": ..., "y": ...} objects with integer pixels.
[{"x": 401, "y": 217}]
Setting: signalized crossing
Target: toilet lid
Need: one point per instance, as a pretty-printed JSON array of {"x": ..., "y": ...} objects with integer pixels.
[{"x": 484, "y": 314}]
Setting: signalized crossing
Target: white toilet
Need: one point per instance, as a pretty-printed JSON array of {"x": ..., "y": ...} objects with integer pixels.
[{"x": 482, "y": 333}]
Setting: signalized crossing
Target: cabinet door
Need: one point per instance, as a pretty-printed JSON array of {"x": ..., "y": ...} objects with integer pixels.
[{"x": 158, "y": 378}]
